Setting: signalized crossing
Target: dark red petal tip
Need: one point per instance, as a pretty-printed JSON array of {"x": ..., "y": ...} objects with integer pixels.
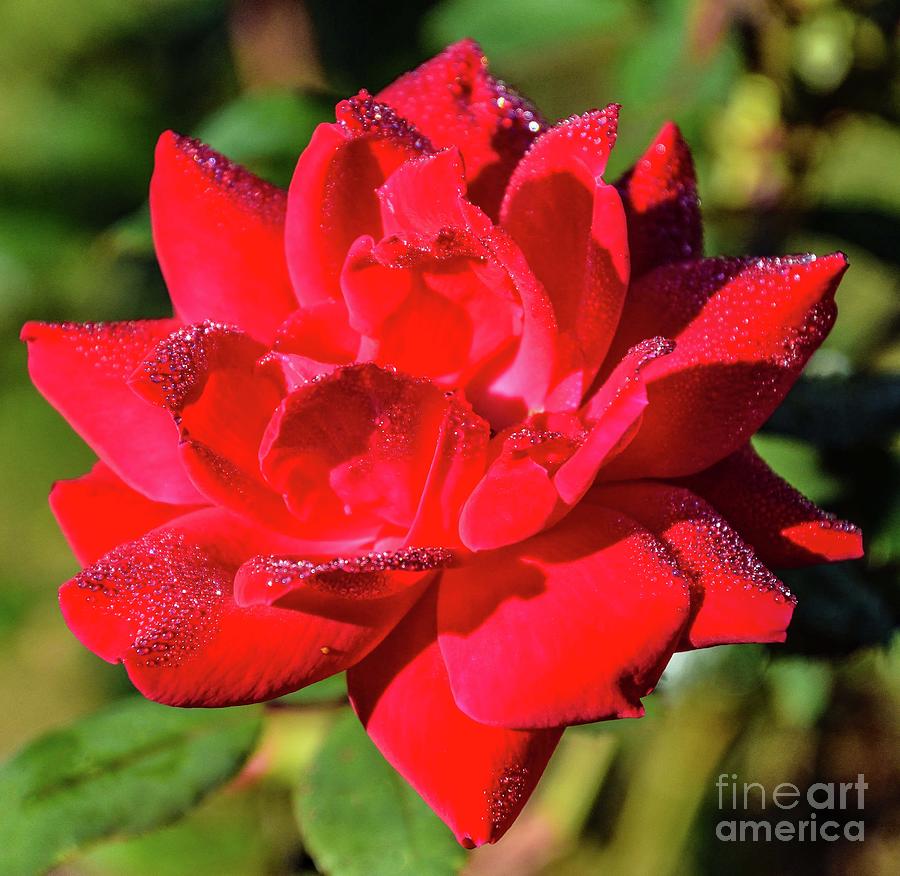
[
  {"x": 785, "y": 528},
  {"x": 291, "y": 581},
  {"x": 661, "y": 201},
  {"x": 364, "y": 115},
  {"x": 175, "y": 371},
  {"x": 218, "y": 230},
  {"x": 734, "y": 597},
  {"x": 263, "y": 199}
]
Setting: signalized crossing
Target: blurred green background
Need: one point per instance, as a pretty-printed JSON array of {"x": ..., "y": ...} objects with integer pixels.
[{"x": 792, "y": 109}]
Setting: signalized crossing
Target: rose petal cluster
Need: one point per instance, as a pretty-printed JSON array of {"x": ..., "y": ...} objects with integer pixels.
[{"x": 453, "y": 414}]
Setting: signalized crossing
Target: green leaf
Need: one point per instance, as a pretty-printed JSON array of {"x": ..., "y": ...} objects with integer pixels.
[
  {"x": 123, "y": 771},
  {"x": 799, "y": 464},
  {"x": 539, "y": 25},
  {"x": 329, "y": 690},
  {"x": 267, "y": 131},
  {"x": 358, "y": 817}
]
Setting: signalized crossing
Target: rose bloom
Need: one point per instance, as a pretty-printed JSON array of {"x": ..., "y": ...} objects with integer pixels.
[{"x": 453, "y": 414}]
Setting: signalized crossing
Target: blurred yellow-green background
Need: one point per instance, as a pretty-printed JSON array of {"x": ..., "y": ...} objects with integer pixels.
[{"x": 792, "y": 109}]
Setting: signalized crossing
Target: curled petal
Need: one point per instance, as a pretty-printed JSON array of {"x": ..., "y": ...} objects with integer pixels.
[
  {"x": 448, "y": 296},
  {"x": 573, "y": 625},
  {"x": 554, "y": 458},
  {"x": 571, "y": 227},
  {"x": 291, "y": 371},
  {"x": 206, "y": 377},
  {"x": 99, "y": 510},
  {"x": 436, "y": 309},
  {"x": 613, "y": 414},
  {"x": 332, "y": 198},
  {"x": 659, "y": 194},
  {"x": 82, "y": 370},
  {"x": 163, "y": 606},
  {"x": 455, "y": 101},
  {"x": 744, "y": 329},
  {"x": 476, "y": 778},
  {"x": 219, "y": 237},
  {"x": 321, "y": 332},
  {"x": 735, "y": 598},
  {"x": 344, "y": 585},
  {"x": 785, "y": 528},
  {"x": 351, "y": 451}
]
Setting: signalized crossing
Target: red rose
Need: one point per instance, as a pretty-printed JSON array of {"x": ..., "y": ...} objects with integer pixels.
[{"x": 453, "y": 414}]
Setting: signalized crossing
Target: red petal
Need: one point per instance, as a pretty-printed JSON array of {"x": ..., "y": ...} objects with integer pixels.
[
  {"x": 514, "y": 500},
  {"x": 448, "y": 296},
  {"x": 454, "y": 101},
  {"x": 163, "y": 606},
  {"x": 82, "y": 370},
  {"x": 476, "y": 778},
  {"x": 219, "y": 236},
  {"x": 571, "y": 228},
  {"x": 206, "y": 376},
  {"x": 660, "y": 198},
  {"x": 735, "y": 597},
  {"x": 99, "y": 510},
  {"x": 343, "y": 586},
  {"x": 574, "y": 625},
  {"x": 553, "y": 459},
  {"x": 321, "y": 333},
  {"x": 351, "y": 451},
  {"x": 785, "y": 528},
  {"x": 460, "y": 460},
  {"x": 332, "y": 198},
  {"x": 744, "y": 329},
  {"x": 291, "y": 371},
  {"x": 439, "y": 312},
  {"x": 613, "y": 414}
]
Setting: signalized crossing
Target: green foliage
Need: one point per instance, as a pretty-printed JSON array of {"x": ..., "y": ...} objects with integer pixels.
[
  {"x": 359, "y": 818},
  {"x": 329, "y": 690},
  {"x": 123, "y": 771}
]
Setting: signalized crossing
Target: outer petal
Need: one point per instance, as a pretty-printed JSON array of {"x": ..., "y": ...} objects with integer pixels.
[
  {"x": 735, "y": 598},
  {"x": 574, "y": 625},
  {"x": 219, "y": 236},
  {"x": 352, "y": 451},
  {"x": 659, "y": 194},
  {"x": 744, "y": 330},
  {"x": 554, "y": 458},
  {"x": 785, "y": 528},
  {"x": 82, "y": 370},
  {"x": 99, "y": 510},
  {"x": 476, "y": 778},
  {"x": 332, "y": 198},
  {"x": 206, "y": 377},
  {"x": 162, "y": 605},
  {"x": 454, "y": 101},
  {"x": 571, "y": 228}
]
